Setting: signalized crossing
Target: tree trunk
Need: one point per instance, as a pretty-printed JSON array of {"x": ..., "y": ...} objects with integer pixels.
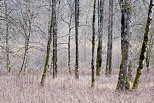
[
  {"x": 69, "y": 46},
  {"x": 123, "y": 83},
  {"x": 7, "y": 38},
  {"x": 93, "y": 46},
  {"x": 148, "y": 52},
  {"x": 76, "y": 38},
  {"x": 100, "y": 34},
  {"x": 27, "y": 37},
  {"x": 54, "y": 21},
  {"x": 144, "y": 46},
  {"x": 109, "y": 45},
  {"x": 48, "y": 51}
]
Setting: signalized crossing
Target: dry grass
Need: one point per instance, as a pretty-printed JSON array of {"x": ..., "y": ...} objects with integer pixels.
[{"x": 65, "y": 89}]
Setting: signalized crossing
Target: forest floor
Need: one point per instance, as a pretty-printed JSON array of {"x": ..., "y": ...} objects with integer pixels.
[{"x": 65, "y": 89}]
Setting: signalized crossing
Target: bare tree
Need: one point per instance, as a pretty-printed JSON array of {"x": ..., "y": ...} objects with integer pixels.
[
  {"x": 144, "y": 47},
  {"x": 26, "y": 25},
  {"x": 125, "y": 44},
  {"x": 54, "y": 23},
  {"x": 47, "y": 52},
  {"x": 100, "y": 34},
  {"x": 93, "y": 46},
  {"x": 109, "y": 45},
  {"x": 76, "y": 38},
  {"x": 7, "y": 37}
]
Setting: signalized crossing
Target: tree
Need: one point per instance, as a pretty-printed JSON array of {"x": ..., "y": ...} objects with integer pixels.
[
  {"x": 93, "y": 46},
  {"x": 148, "y": 51},
  {"x": 47, "y": 52},
  {"x": 100, "y": 34},
  {"x": 54, "y": 21},
  {"x": 26, "y": 25},
  {"x": 125, "y": 44},
  {"x": 7, "y": 38},
  {"x": 76, "y": 38},
  {"x": 109, "y": 45},
  {"x": 144, "y": 47}
]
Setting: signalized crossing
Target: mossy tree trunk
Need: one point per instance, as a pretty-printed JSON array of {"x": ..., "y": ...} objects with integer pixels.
[
  {"x": 76, "y": 38},
  {"x": 109, "y": 45},
  {"x": 93, "y": 47},
  {"x": 48, "y": 49},
  {"x": 123, "y": 82},
  {"x": 100, "y": 34},
  {"x": 144, "y": 47}
]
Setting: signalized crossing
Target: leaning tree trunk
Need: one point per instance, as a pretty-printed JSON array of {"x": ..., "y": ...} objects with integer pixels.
[
  {"x": 54, "y": 21},
  {"x": 100, "y": 34},
  {"x": 144, "y": 46},
  {"x": 48, "y": 50},
  {"x": 27, "y": 37},
  {"x": 125, "y": 44},
  {"x": 109, "y": 45},
  {"x": 93, "y": 46},
  {"x": 76, "y": 38}
]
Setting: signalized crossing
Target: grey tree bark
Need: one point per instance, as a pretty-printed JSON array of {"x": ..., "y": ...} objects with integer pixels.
[
  {"x": 76, "y": 38},
  {"x": 125, "y": 44},
  {"x": 54, "y": 21},
  {"x": 100, "y": 34},
  {"x": 27, "y": 33},
  {"x": 93, "y": 47},
  {"x": 7, "y": 38},
  {"x": 109, "y": 45},
  {"x": 149, "y": 52}
]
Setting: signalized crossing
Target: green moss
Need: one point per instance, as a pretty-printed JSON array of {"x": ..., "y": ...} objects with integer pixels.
[
  {"x": 127, "y": 83},
  {"x": 138, "y": 74}
]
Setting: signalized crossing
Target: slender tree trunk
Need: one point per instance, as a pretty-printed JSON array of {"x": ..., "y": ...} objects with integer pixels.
[
  {"x": 144, "y": 46},
  {"x": 7, "y": 39},
  {"x": 27, "y": 37},
  {"x": 93, "y": 46},
  {"x": 109, "y": 45},
  {"x": 69, "y": 47},
  {"x": 54, "y": 38},
  {"x": 76, "y": 38},
  {"x": 48, "y": 50},
  {"x": 100, "y": 34},
  {"x": 123, "y": 83},
  {"x": 148, "y": 52}
]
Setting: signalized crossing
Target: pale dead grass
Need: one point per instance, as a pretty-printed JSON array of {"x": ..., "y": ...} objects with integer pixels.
[{"x": 65, "y": 89}]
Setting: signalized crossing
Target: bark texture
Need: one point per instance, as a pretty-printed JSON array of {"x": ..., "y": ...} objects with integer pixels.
[
  {"x": 109, "y": 45},
  {"x": 123, "y": 82},
  {"x": 93, "y": 47},
  {"x": 76, "y": 38},
  {"x": 54, "y": 21}
]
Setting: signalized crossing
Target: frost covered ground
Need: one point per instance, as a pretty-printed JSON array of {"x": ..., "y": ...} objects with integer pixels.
[{"x": 65, "y": 89}]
